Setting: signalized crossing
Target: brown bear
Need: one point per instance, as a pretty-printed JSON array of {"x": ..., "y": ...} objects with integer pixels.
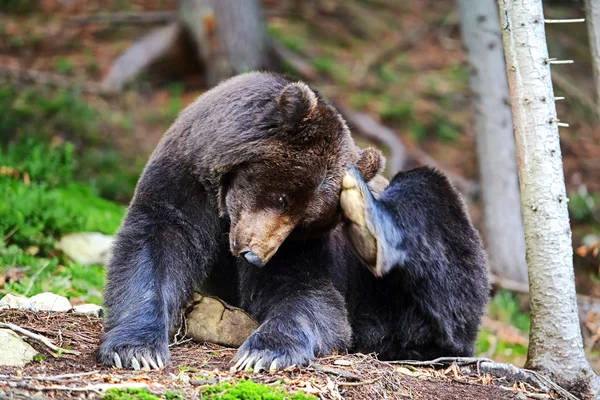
[
  {"x": 255, "y": 160},
  {"x": 257, "y": 195}
]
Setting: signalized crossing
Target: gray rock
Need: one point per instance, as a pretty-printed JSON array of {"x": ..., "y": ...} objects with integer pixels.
[
  {"x": 15, "y": 351},
  {"x": 14, "y": 301},
  {"x": 87, "y": 247},
  {"x": 89, "y": 309},
  {"x": 49, "y": 302},
  {"x": 214, "y": 321}
]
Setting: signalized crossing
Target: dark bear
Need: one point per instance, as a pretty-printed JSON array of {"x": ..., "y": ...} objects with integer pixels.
[{"x": 243, "y": 198}]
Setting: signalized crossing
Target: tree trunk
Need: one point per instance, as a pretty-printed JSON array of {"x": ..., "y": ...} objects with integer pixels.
[
  {"x": 555, "y": 342},
  {"x": 505, "y": 241},
  {"x": 592, "y": 14},
  {"x": 229, "y": 35}
]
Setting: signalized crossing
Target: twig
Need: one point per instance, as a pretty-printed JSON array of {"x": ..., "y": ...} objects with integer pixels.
[
  {"x": 128, "y": 18},
  {"x": 64, "y": 376},
  {"x": 487, "y": 366},
  {"x": 37, "y": 337},
  {"x": 360, "y": 383},
  {"x": 89, "y": 388},
  {"x": 337, "y": 372}
]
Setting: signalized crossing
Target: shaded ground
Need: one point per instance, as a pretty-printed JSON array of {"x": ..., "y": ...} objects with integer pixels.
[{"x": 194, "y": 365}]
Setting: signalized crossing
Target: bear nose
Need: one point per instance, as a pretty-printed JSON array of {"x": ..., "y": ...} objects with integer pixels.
[{"x": 252, "y": 258}]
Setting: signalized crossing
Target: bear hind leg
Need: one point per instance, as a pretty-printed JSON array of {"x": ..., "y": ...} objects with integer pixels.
[{"x": 372, "y": 232}]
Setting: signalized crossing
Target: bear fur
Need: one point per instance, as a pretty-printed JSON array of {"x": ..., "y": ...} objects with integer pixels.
[{"x": 242, "y": 199}]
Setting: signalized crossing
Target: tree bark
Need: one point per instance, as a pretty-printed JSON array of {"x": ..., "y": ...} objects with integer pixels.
[
  {"x": 482, "y": 41},
  {"x": 229, "y": 35},
  {"x": 592, "y": 14},
  {"x": 555, "y": 341}
]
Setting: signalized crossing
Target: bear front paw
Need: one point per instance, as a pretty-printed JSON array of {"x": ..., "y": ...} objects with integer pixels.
[
  {"x": 139, "y": 356},
  {"x": 257, "y": 354}
]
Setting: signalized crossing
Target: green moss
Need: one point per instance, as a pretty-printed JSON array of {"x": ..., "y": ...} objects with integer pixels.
[
  {"x": 248, "y": 390},
  {"x": 129, "y": 394}
]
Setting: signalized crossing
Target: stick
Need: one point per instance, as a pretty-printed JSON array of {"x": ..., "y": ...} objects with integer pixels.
[
  {"x": 129, "y": 18},
  {"x": 89, "y": 388},
  {"x": 64, "y": 376},
  {"x": 337, "y": 372},
  {"x": 360, "y": 383},
  {"x": 37, "y": 337}
]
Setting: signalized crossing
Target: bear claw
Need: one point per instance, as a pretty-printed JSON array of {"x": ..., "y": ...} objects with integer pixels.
[
  {"x": 139, "y": 363},
  {"x": 117, "y": 360}
]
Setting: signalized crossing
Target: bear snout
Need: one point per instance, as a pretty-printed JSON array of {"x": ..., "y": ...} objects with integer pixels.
[{"x": 256, "y": 236}]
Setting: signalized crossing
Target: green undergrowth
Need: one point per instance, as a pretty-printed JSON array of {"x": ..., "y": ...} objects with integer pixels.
[
  {"x": 505, "y": 307},
  {"x": 37, "y": 115},
  {"x": 241, "y": 390},
  {"x": 41, "y": 203},
  {"x": 248, "y": 390},
  {"x": 53, "y": 176}
]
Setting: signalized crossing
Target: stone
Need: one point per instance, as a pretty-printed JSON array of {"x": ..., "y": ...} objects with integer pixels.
[
  {"x": 214, "y": 321},
  {"x": 87, "y": 248},
  {"x": 89, "y": 309},
  {"x": 14, "y": 301},
  {"x": 49, "y": 302},
  {"x": 15, "y": 351}
]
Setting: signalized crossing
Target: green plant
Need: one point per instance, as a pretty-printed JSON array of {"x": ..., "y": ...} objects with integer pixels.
[
  {"x": 63, "y": 65},
  {"x": 584, "y": 205},
  {"x": 248, "y": 390},
  {"x": 30, "y": 120},
  {"x": 505, "y": 307},
  {"x": 39, "y": 358}
]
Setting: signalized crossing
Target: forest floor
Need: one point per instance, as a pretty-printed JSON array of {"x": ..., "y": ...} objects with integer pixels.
[
  {"x": 194, "y": 367},
  {"x": 401, "y": 62}
]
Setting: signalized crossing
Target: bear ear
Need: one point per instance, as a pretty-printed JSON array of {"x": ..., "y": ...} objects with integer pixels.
[
  {"x": 371, "y": 163},
  {"x": 297, "y": 101}
]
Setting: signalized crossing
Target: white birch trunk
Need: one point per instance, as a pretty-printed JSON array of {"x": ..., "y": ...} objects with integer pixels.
[
  {"x": 555, "y": 342},
  {"x": 230, "y": 35},
  {"x": 482, "y": 41},
  {"x": 592, "y": 19}
]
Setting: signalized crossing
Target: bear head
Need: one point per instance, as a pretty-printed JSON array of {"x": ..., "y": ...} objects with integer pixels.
[{"x": 292, "y": 182}]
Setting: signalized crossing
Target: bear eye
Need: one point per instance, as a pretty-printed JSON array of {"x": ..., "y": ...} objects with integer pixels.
[{"x": 282, "y": 202}]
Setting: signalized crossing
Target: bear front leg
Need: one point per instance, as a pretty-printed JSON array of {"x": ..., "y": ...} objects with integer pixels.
[
  {"x": 154, "y": 267},
  {"x": 301, "y": 313}
]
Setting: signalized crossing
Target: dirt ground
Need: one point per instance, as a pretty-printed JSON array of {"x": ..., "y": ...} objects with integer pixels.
[{"x": 192, "y": 366}]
